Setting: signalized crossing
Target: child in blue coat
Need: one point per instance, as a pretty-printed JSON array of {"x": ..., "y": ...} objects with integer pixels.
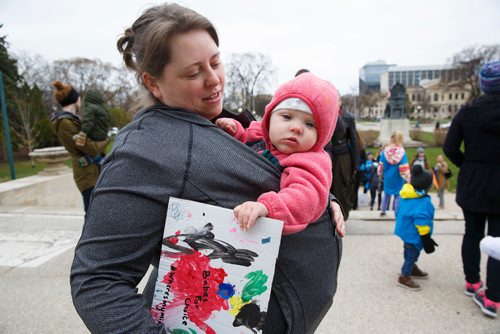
[{"x": 414, "y": 224}]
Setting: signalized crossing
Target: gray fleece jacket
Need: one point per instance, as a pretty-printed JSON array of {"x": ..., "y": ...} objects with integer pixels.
[{"x": 167, "y": 152}]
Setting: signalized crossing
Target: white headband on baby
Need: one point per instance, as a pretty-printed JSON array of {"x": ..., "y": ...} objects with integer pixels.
[{"x": 293, "y": 103}]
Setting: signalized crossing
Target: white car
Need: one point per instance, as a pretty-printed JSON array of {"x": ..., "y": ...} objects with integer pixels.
[{"x": 113, "y": 132}]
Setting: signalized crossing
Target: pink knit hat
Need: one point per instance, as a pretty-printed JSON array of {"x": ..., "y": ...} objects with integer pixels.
[{"x": 320, "y": 96}]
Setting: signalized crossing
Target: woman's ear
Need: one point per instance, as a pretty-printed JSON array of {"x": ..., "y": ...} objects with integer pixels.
[{"x": 152, "y": 84}]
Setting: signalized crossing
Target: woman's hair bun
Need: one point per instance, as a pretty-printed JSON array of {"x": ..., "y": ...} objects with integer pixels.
[{"x": 58, "y": 85}]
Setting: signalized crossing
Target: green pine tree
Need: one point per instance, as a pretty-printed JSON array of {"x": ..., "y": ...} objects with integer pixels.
[{"x": 10, "y": 75}]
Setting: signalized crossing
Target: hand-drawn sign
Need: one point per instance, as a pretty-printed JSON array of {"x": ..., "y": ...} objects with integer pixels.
[{"x": 213, "y": 276}]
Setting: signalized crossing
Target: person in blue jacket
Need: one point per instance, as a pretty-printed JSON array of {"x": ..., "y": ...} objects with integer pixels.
[
  {"x": 372, "y": 182},
  {"x": 414, "y": 225}
]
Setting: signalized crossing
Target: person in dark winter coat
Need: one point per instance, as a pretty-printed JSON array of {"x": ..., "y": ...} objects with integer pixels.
[
  {"x": 477, "y": 126},
  {"x": 359, "y": 174},
  {"x": 344, "y": 150}
]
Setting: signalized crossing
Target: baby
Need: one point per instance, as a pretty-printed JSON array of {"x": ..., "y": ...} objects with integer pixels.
[
  {"x": 95, "y": 122},
  {"x": 297, "y": 124}
]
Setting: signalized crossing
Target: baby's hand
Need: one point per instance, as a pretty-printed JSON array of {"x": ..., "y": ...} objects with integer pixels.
[
  {"x": 80, "y": 138},
  {"x": 248, "y": 213},
  {"x": 226, "y": 124}
]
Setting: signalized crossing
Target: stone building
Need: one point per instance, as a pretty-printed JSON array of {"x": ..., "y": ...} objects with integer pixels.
[
  {"x": 434, "y": 99},
  {"x": 432, "y": 90}
]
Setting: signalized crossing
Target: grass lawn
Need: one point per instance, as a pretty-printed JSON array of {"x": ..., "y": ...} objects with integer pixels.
[
  {"x": 427, "y": 138},
  {"x": 23, "y": 167}
]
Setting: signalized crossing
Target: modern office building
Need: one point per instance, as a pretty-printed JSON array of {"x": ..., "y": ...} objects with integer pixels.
[
  {"x": 369, "y": 76},
  {"x": 410, "y": 76}
]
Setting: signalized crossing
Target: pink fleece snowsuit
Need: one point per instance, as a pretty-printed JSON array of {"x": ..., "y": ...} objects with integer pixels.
[{"x": 307, "y": 176}]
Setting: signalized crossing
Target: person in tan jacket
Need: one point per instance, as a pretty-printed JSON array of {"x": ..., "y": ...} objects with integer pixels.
[
  {"x": 66, "y": 125},
  {"x": 440, "y": 170}
]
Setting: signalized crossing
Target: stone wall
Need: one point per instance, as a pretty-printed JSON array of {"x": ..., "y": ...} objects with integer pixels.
[{"x": 43, "y": 193}]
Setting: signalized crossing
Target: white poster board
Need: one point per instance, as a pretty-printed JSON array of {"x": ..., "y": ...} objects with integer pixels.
[{"x": 213, "y": 277}]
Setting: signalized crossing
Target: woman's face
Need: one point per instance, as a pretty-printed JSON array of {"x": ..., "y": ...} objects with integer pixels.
[{"x": 194, "y": 78}]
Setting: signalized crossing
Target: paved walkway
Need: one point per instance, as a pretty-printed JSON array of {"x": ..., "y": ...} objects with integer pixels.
[{"x": 37, "y": 245}]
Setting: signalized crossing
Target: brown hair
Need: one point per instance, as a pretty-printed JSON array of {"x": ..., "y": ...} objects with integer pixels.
[
  {"x": 64, "y": 94},
  {"x": 145, "y": 46}
]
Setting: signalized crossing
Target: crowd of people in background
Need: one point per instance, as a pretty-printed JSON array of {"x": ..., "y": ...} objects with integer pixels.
[{"x": 370, "y": 175}]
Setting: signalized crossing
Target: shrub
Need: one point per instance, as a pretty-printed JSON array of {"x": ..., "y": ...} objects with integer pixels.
[
  {"x": 440, "y": 136},
  {"x": 369, "y": 137},
  {"x": 119, "y": 117},
  {"x": 415, "y": 134},
  {"x": 45, "y": 136}
]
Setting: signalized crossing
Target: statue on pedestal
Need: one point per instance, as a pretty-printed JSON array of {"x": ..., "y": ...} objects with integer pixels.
[
  {"x": 395, "y": 116},
  {"x": 396, "y": 105}
]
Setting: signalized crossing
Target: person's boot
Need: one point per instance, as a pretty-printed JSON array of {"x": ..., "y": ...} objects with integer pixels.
[
  {"x": 408, "y": 283},
  {"x": 418, "y": 274}
]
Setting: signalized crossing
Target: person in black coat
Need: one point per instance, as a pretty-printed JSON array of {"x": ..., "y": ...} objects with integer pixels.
[
  {"x": 344, "y": 150},
  {"x": 477, "y": 125}
]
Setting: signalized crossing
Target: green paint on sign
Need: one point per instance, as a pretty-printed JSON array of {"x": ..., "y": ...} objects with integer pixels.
[{"x": 255, "y": 286}]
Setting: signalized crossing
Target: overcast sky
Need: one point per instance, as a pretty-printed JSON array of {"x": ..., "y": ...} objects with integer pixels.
[{"x": 332, "y": 38}]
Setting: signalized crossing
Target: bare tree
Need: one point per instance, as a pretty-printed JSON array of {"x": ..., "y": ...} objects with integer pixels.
[
  {"x": 24, "y": 126},
  {"x": 83, "y": 73},
  {"x": 261, "y": 101},
  {"x": 33, "y": 102},
  {"x": 37, "y": 71},
  {"x": 31, "y": 118},
  {"x": 247, "y": 75},
  {"x": 34, "y": 69},
  {"x": 350, "y": 102},
  {"x": 369, "y": 100},
  {"x": 467, "y": 64},
  {"x": 123, "y": 88},
  {"x": 117, "y": 84}
]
